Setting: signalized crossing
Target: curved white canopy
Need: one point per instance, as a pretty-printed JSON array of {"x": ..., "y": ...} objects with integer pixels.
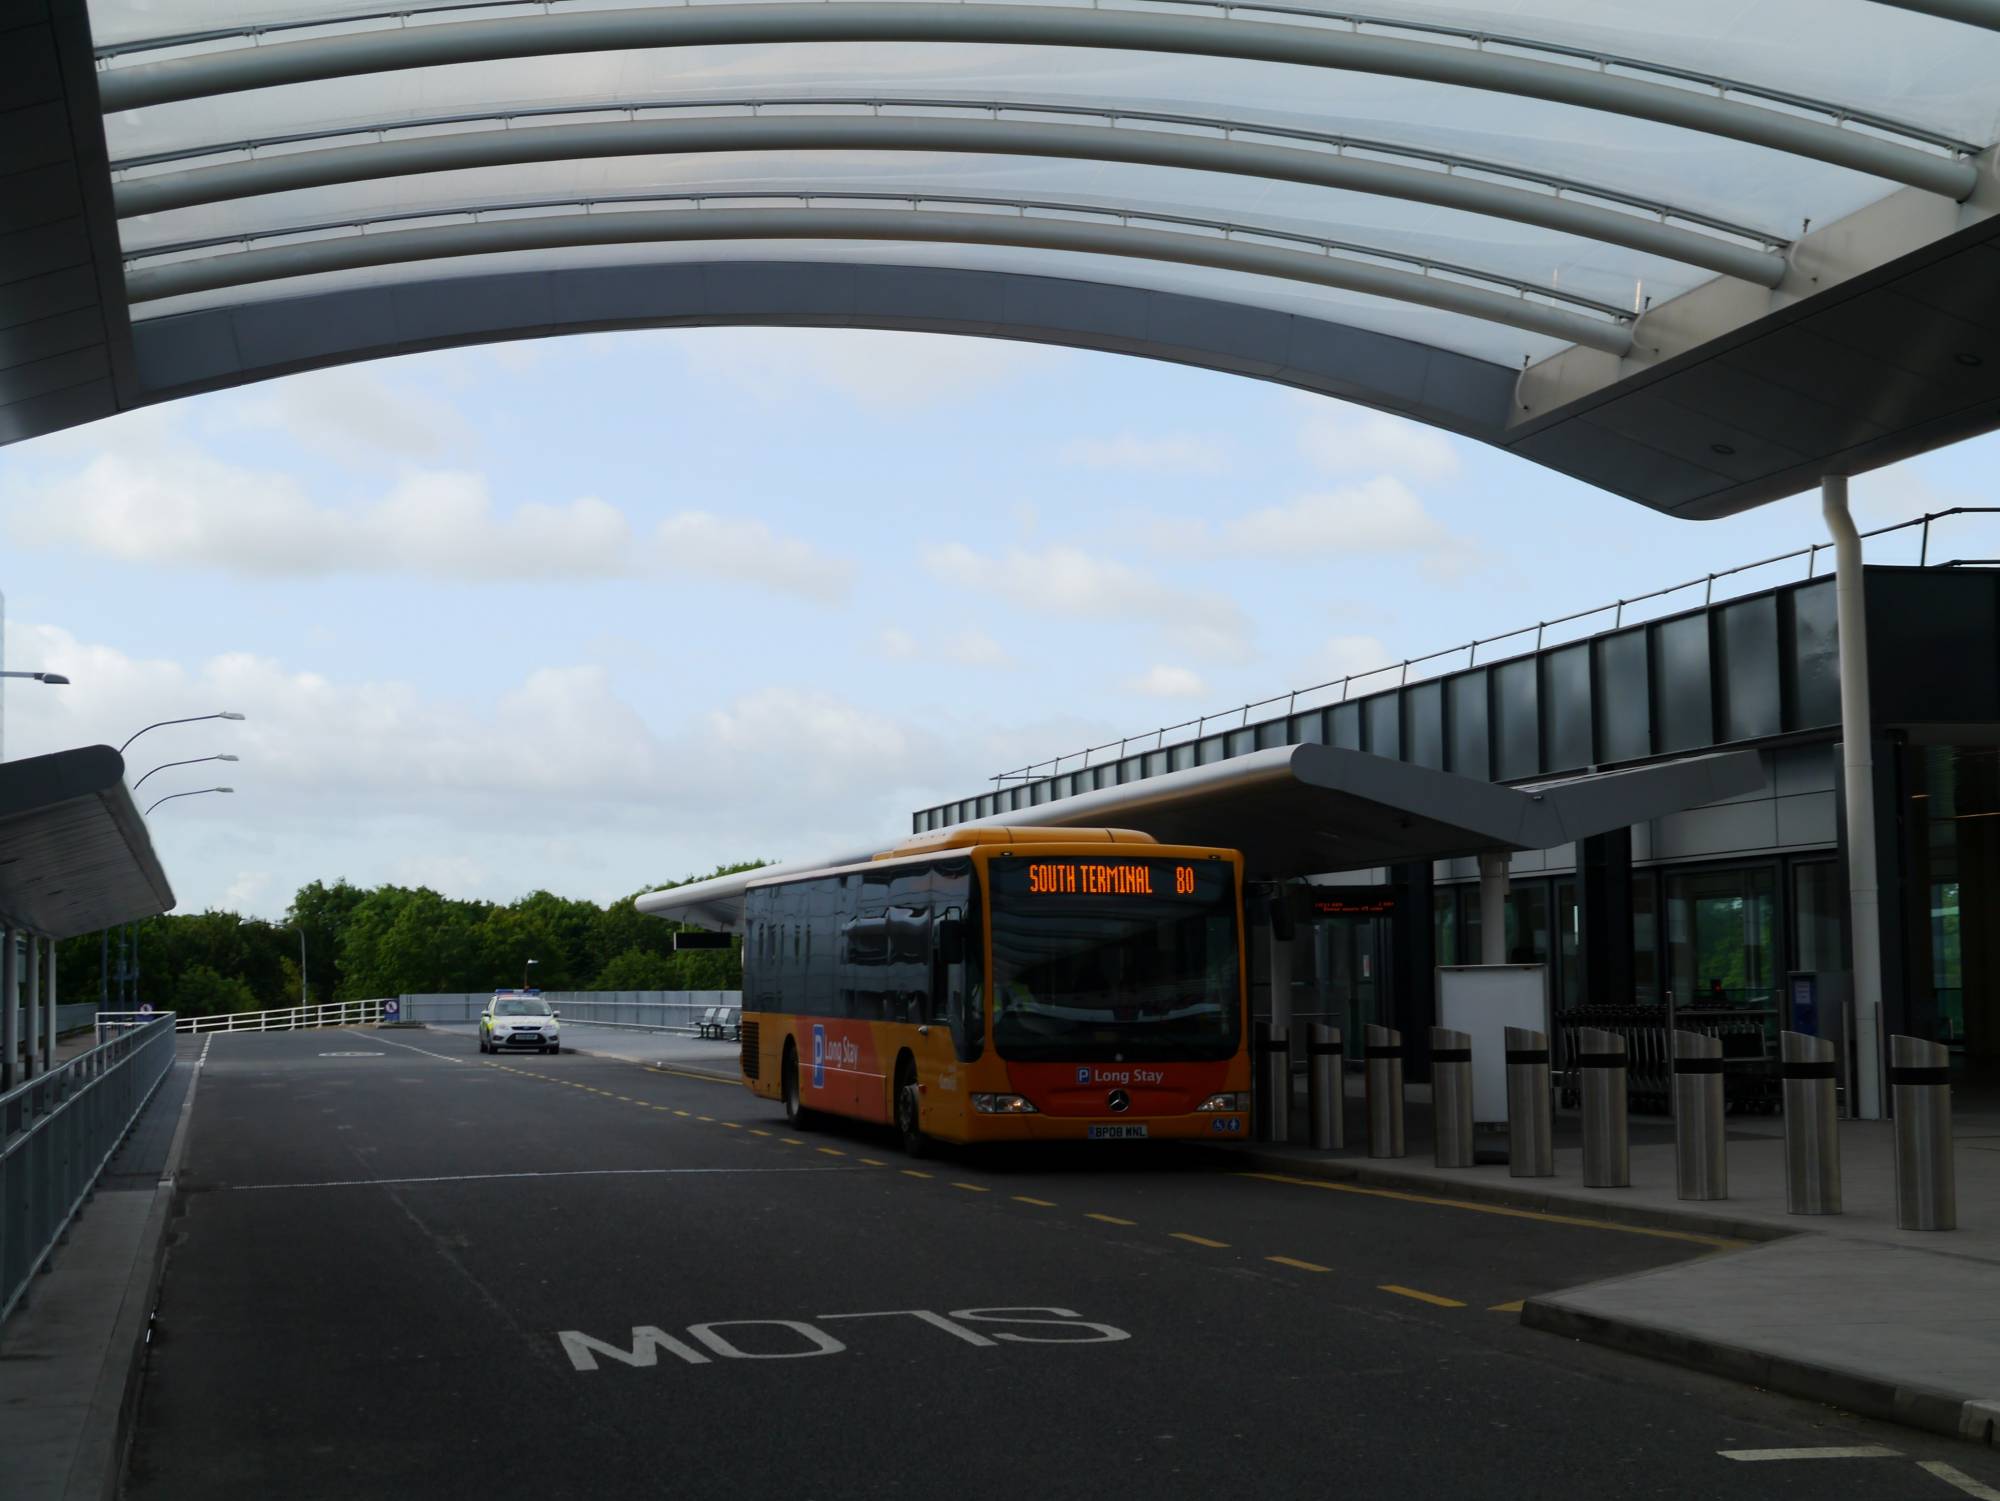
[{"x": 1576, "y": 198}]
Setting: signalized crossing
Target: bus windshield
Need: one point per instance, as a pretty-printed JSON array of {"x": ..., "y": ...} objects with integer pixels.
[{"x": 1114, "y": 958}]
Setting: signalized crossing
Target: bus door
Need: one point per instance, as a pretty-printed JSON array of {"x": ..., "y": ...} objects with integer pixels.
[{"x": 937, "y": 1051}]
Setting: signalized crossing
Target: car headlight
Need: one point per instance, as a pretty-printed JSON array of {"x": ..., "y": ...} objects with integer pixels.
[
  {"x": 1221, "y": 1102},
  {"x": 1003, "y": 1104}
]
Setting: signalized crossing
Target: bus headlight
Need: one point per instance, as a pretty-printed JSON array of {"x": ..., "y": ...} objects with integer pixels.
[
  {"x": 1222, "y": 1102},
  {"x": 1002, "y": 1104}
]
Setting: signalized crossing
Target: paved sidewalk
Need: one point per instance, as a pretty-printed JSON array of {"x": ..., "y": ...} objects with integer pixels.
[{"x": 1846, "y": 1309}]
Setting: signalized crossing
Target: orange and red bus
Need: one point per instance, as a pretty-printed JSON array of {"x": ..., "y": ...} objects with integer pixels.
[{"x": 1004, "y": 984}]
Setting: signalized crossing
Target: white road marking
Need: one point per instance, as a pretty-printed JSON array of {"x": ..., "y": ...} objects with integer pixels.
[
  {"x": 586, "y": 1172},
  {"x": 1861, "y": 1451},
  {"x": 1959, "y": 1478}
]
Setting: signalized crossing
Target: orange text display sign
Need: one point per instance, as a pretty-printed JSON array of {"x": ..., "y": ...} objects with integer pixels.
[{"x": 1105, "y": 878}]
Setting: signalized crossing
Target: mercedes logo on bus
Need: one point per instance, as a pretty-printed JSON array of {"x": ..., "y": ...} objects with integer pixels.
[{"x": 1119, "y": 1100}]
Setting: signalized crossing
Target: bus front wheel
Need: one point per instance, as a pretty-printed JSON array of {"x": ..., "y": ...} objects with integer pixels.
[
  {"x": 909, "y": 1114},
  {"x": 796, "y": 1114}
]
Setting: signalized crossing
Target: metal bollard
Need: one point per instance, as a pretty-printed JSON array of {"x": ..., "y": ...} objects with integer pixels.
[
  {"x": 1385, "y": 1091},
  {"x": 1275, "y": 1074},
  {"x": 1326, "y": 1088},
  {"x": 1926, "y": 1193},
  {"x": 1531, "y": 1148},
  {"x": 1451, "y": 1097},
  {"x": 1812, "y": 1124},
  {"x": 1607, "y": 1153},
  {"x": 1260, "y": 1094},
  {"x": 1701, "y": 1157}
]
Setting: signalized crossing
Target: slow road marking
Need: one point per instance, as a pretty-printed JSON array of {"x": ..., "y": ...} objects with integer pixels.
[{"x": 1422, "y": 1297}]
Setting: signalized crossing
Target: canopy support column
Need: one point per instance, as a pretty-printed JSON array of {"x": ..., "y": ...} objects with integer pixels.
[
  {"x": 49, "y": 1023},
  {"x": 1858, "y": 778},
  {"x": 10, "y": 1010},
  {"x": 31, "y": 1003}
]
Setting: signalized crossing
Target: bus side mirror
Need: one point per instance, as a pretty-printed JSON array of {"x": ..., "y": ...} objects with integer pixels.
[{"x": 951, "y": 940}]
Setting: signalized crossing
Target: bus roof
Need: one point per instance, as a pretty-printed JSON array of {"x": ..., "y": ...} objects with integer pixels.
[{"x": 966, "y": 836}]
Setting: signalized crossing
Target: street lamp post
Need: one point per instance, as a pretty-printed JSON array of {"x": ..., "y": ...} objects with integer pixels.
[
  {"x": 196, "y": 793},
  {"x": 526, "y": 973},
  {"x": 191, "y": 761},
  {"x": 191, "y": 719},
  {"x": 53, "y": 679}
]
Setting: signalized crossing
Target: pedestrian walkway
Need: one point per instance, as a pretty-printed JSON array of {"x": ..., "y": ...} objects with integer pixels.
[{"x": 1846, "y": 1309}]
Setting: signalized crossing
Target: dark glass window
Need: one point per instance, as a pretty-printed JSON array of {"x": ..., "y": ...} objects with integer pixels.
[
  {"x": 1746, "y": 640},
  {"x": 1241, "y": 742},
  {"x": 1309, "y": 728},
  {"x": 1181, "y": 756},
  {"x": 1423, "y": 724},
  {"x": 1210, "y": 750},
  {"x": 1271, "y": 732},
  {"x": 1566, "y": 708},
  {"x": 1517, "y": 720},
  {"x": 1624, "y": 697},
  {"x": 1383, "y": 715},
  {"x": 1131, "y": 975},
  {"x": 1465, "y": 697},
  {"x": 1156, "y": 763},
  {"x": 1686, "y": 711},
  {"x": 1815, "y": 650},
  {"x": 1345, "y": 720}
]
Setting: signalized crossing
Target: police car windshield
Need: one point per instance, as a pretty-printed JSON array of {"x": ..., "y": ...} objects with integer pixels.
[{"x": 520, "y": 1008}]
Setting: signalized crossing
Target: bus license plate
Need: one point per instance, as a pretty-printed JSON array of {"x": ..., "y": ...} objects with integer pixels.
[{"x": 1117, "y": 1133}]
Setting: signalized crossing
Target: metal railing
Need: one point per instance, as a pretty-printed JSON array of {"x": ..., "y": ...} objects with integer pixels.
[
  {"x": 1157, "y": 739},
  {"x": 285, "y": 1019},
  {"x": 653, "y": 1011},
  {"x": 56, "y": 1134}
]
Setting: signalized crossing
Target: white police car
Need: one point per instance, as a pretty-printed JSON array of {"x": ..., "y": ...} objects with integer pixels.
[{"x": 519, "y": 1019}]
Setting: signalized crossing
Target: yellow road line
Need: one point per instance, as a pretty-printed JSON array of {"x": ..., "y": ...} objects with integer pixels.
[
  {"x": 1304, "y": 1266},
  {"x": 682, "y": 1114},
  {"x": 910, "y": 1172},
  {"x": 1199, "y": 1240},
  {"x": 683, "y": 1073},
  {"x": 709, "y": 1118},
  {"x": 1513, "y": 1307},
  {"x": 1038, "y": 1203},
  {"x": 873, "y": 1163},
  {"x": 732, "y": 1125},
  {"x": 1110, "y": 1219},
  {"x": 1421, "y": 1297},
  {"x": 791, "y": 1141},
  {"x": 972, "y": 1188},
  {"x": 833, "y": 1151},
  {"x": 755, "y": 1132},
  {"x": 1718, "y": 1242}
]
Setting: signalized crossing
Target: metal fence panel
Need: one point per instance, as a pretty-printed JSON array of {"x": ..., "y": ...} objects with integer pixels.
[
  {"x": 56, "y": 1134},
  {"x": 648, "y": 1010}
]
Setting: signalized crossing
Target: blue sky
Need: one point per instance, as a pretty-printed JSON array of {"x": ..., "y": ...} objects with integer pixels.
[{"x": 595, "y": 612}]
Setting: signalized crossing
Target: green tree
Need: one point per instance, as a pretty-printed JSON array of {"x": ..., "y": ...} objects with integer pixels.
[
  {"x": 637, "y": 969},
  {"x": 200, "y": 990}
]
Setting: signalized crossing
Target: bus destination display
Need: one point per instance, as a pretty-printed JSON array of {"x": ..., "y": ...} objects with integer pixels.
[{"x": 1105, "y": 878}]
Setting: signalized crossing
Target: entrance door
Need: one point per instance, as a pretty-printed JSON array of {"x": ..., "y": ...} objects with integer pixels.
[{"x": 1351, "y": 954}]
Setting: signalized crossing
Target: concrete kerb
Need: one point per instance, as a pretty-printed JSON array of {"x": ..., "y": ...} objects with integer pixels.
[
  {"x": 1931, "y": 1409},
  {"x": 1511, "y": 1194}
]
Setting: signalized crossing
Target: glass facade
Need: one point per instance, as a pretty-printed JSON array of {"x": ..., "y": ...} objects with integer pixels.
[{"x": 1952, "y": 875}]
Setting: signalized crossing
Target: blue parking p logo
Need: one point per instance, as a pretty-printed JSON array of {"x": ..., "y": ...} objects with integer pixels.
[
  {"x": 1083, "y": 1076},
  {"x": 819, "y": 1057}
]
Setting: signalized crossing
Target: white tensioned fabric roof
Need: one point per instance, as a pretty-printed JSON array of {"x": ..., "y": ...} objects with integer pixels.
[{"x": 1488, "y": 217}]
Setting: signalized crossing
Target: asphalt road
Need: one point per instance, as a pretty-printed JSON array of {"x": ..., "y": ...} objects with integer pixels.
[{"x": 403, "y": 1269}]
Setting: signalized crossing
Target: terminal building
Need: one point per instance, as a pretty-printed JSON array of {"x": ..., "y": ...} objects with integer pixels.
[{"x": 1736, "y": 908}]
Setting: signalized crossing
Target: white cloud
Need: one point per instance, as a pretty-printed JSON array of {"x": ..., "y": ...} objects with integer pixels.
[
  {"x": 1176, "y": 453},
  {"x": 1163, "y": 681},
  {"x": 897, "y": 646},
  {"x": 352, "y": 414},
  {"x": 867, "y": 366},
  {"x": 1380, "y": 517},
  {"x": 247, "y": 892},
  {"x": 1066, "y": 581},
  {"x": 968, "y": 648},
  {"x": 155, "y": 498},
  {"x": 742, "y": 548},
  {"x": 1343, "y": 655},
  {"x": 1353, "y": 440}
]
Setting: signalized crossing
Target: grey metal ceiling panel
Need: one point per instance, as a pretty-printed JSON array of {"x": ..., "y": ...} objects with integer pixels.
[
  {"x": 37, "y": 195},
  {"x": 60, "y": 409},
  {"x": 74, "y": 852},
  {"x": 26, "y": 343},
  {"x": 37, "y": 297}
]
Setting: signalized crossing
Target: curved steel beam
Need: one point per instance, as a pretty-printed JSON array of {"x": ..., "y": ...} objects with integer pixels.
[
  {"x": 491, "y": 148},
  {"x": 1110, "y": 116},
  {"x": 654, "y": 226},
  {"x": 1024, "y": 25},
  {"x": 1984, "y": 13}
]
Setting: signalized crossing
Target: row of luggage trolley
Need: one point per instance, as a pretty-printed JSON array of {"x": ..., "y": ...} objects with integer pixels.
[{"x": 1748, "y": 1033}]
